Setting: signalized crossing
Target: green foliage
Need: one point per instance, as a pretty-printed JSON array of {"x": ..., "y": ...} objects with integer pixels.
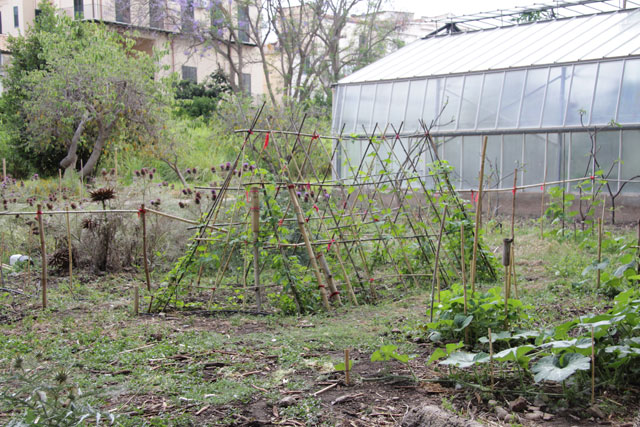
[
  {"x": 484, "y": 310},
  {"x": 388, "y": 352},
  {"x": 563, "y": 352},
  {"x": 201, "y": 99},
  {"x": 74, "y": 78},
  {"x": 46, "y": 397}
]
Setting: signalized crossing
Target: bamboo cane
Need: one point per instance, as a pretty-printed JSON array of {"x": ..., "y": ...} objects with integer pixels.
[
  {"x": 4, "y": 170},
  {"x": 437, "y": 260},
  {"x": 255, "y": 228},
  {"x": 599, "y": 252},
  {"x": 70, "y": 247},
  {"x": 143, "y": 222},
  {"x": 347, "y": 371},
  {"x": 593, "y": 366},
  {"x": 312, "y": 256},
  {"x": 491, "y": 359},
  {"x": 43, "y": 248},
  {"x": 478, "y": 216},
  {"x": 464, "y": 279}
]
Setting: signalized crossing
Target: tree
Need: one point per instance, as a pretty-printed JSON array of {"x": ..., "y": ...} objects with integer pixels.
[{"x": 87, "y": 87}]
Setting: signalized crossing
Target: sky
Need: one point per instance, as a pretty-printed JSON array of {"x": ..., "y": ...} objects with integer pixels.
[{"x": 456, "y": 7}]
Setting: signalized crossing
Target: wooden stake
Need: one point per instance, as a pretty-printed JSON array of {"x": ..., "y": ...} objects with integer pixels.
[
  {"x": 81, "y": 178},
  {"x": 70, "y": 250},
  {"x": 437, "y": 260},
  {"x": 437, "y": 273},
  {"x": 512, "y": 256},
  {"x": 255, "y": 228},
  {"x": 599, "y": 252},
  {"x": 329, "y": 277},
  {"x": 464, "y": 279},
  {"x": 347, "y": 373},
  {"x": 136, "y": 298},
  {"x": 544, "y": 189},
  {"x": 593, "y": 366},
  {"x": 513, "y": 202},
  {"x": 60, "y": 182},
  {"x": 2, "y": 259},
  {"x": 4, "y": 170},
  {"x": 43, "y": 280},
  {"x": 506, "y": 262},
  {"x": 307, "y": 242},
  {"x": 116, "y": 163},
  {"x": 491, "y": 359},
  {"x": 143, "y": 221},
  {"x": 474, "y": 256}
]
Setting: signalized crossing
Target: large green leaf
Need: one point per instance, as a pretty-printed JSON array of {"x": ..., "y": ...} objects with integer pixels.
[
  {"x": 515, "y": 354},
  {"x": 461, "y": 321},
  {"x": 559, "y": 368},
  {"x": 462, "y": 359}
]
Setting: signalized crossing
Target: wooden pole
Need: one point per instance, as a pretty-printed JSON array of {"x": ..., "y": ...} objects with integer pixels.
[
  {"x": 513, "y": 202},
  {"x": 593, "y": 366},
  {"x": 329, "y": 277},
  {"x": 512, "y": 257},
  {"x": 544, "y": 189},
  {"x": 474, "y": 256},
  {"x": 347, "y": 373},
  {"x": 4, "y": 170},
  {"x": 506, "y": 262},
  {"x": 136, "y": 298},
  {"x": 491, "y": 358},
  {"x": 255, "y": 228},
  {"x": 70, "y": 250},
  {"x": 464, "y": 279},
  {"x": 60, "y": 182},
  {"x": 312, "y": 256},
  {"x": 81, "y": 178},
  {"x": 599, "y": 252},
  {"x": 2, "y": 259},
  {"x": 143, "y": 221},
  {"x": 116, "y": 163},
  {"x": 43, "y": 248},
  {"x": 437, "y": 261}
]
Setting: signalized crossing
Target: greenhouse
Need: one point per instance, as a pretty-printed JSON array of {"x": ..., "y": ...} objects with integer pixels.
[{"x": 541, "y": 92}]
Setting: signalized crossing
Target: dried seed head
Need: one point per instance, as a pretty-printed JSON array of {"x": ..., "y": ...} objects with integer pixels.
[{"x": 102, "y": 194}]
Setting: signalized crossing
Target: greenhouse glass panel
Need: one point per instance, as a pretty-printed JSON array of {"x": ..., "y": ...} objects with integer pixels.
[
  {"x": 350, "y": 108},
  {"x": 580, "y": 162},
  {"x": 470, "y": 100},
  {"x": 608, "y": 155},
  {"x": 512, "y": 157},
  {"x": 452, "y": 154},
  {"x": 433, "y": 100},
  {"x": 630, "y": 151},
  {"x": 606, "y": 93},
  {"x": 556, "y": 157},
  {"x": 584, "y": 78},
  {"x": 367, "y": 95},
  {"x": 629, "y": 110},
  {"x": 493, "y": 160},
  {"x": 415, "y": 105},
  {"x": 471, "y": 155},
  {"x": 337, "y": 108},
  {"x": 381, "y": 105},
  {"x": 489, "y": 100},
  {"x": 534, "y": 148},
  {"x": 351, "y": 158},
  {"x": 452, "y": 92},
  {"x": 533, "y": 97},
  {"x": 556, "y": 97},
  {"x": 398, "y": 105},
  {"x": 511, "y": 97}
]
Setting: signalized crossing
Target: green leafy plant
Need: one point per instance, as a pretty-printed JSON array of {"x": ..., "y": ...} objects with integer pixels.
[{"x": 46, "y": 397}]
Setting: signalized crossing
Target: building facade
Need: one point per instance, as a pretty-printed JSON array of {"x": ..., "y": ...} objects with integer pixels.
[{"x": 184, "y": 30}]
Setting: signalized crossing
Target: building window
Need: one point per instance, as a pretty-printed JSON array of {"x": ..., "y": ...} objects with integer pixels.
[
  {"x": 78, "y": 9},
  {"x": 190, "y": 73},
  {"x": 243, "y": 24},
  {"x": 245, "y": 83},
  {"x": 156, "y": 14},
  {"x": 123, "y": 11},
  {"x": 16, "y": 19},
  {"x": 187, "y": 17},
  {"x": 217, "y": 19}
]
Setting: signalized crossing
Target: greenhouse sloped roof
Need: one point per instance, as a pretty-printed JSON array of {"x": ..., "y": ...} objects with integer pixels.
[{"x": 569, "y": 40}]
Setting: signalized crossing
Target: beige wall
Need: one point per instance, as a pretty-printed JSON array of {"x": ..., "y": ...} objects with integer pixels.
[{"x": 182, "y": 50}]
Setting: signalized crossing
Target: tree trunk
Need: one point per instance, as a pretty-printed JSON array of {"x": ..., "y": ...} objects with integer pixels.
[
  {"x": 95, "y": 154},
  {"x": 174, "y": 167},
  {"x": 71, "y": 158}
]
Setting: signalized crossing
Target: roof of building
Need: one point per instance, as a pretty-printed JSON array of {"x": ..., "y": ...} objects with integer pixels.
[{"x": 567, "y": 40}]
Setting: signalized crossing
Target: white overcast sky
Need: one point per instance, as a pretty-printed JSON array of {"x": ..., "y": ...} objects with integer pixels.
[{"x": 455, "y": 7}]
